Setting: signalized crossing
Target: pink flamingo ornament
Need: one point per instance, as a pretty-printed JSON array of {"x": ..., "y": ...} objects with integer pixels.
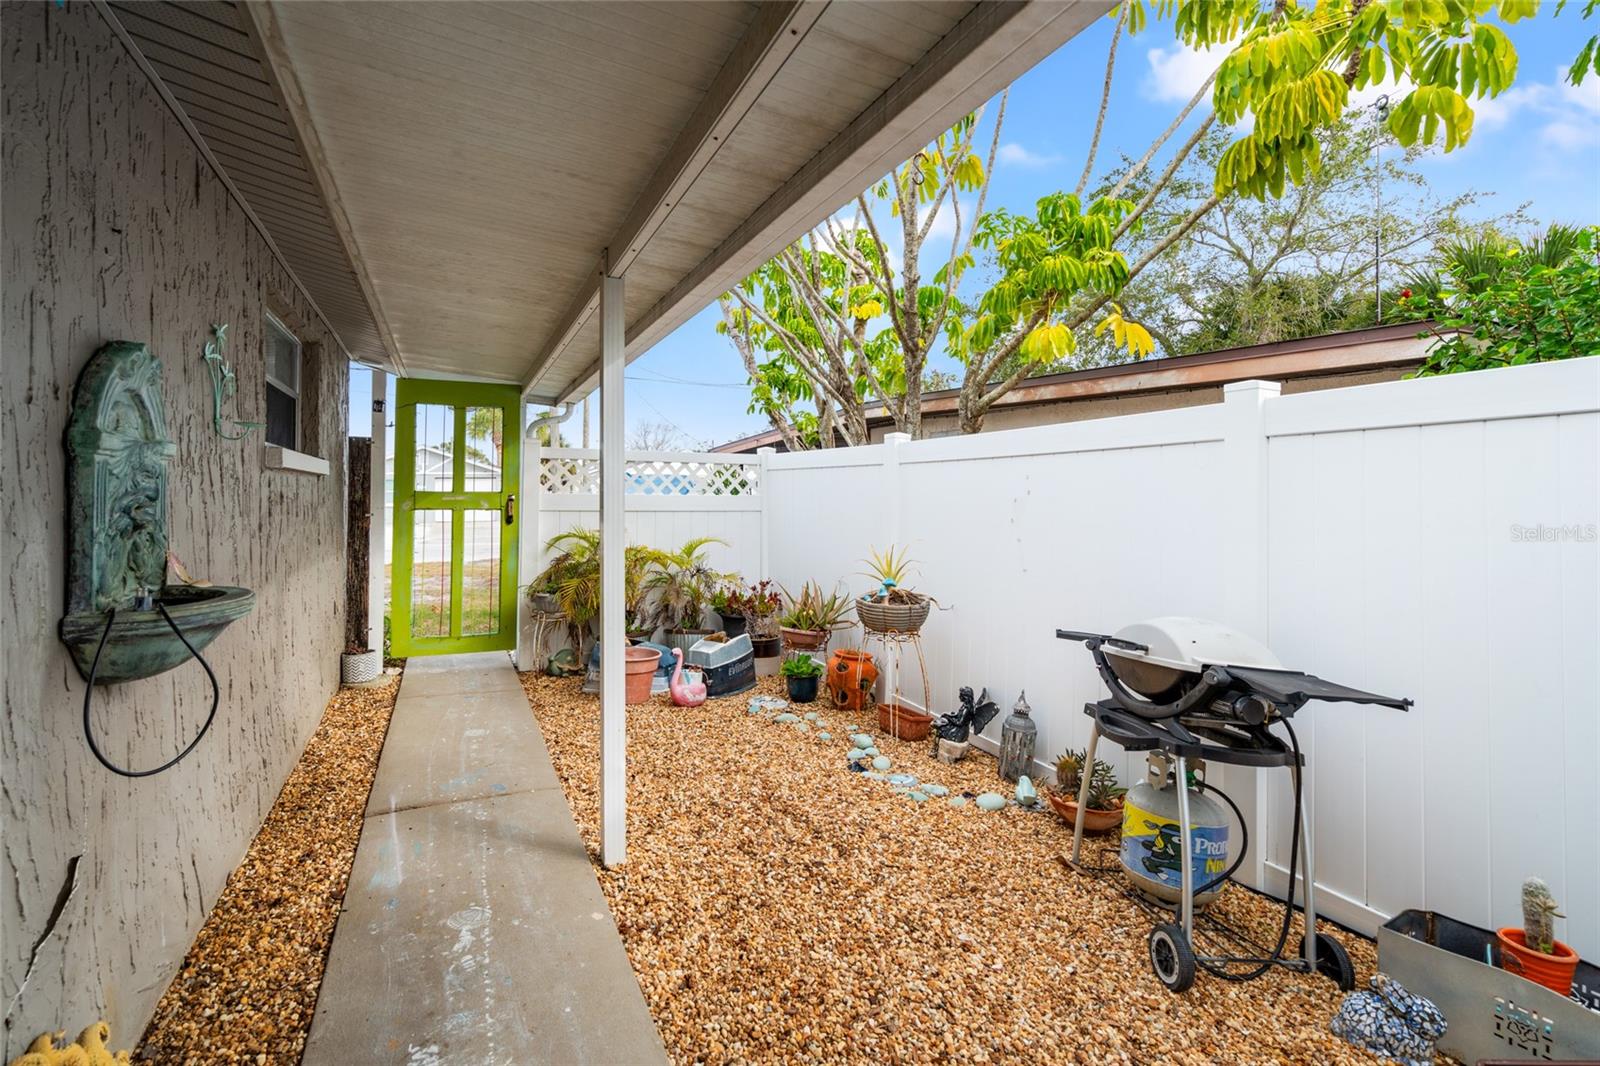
[{"x": 684, "y": 693}]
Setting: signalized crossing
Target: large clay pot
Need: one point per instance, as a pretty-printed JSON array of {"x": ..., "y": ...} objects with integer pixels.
[
  {"x": 851, "y": 675},
  {"x": 641, "y": 666}
]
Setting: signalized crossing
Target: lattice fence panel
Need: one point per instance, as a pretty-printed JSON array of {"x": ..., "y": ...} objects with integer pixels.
[{"x": 673, "y": 478}]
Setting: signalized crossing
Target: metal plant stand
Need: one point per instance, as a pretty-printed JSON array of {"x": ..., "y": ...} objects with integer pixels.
[{"x": 891, "y": 670}]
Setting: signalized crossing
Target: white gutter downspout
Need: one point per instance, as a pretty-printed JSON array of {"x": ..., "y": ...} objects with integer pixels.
[{"x": 529, "y": 554}]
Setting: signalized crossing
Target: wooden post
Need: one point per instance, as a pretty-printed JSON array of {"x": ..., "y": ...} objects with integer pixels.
[
  {"x": 613, "y": 535},
  {"x": 358, "y": 533}
]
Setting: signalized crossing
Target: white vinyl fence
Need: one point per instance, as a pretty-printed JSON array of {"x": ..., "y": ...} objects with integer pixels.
[
  {"x": 671, "y": 497},
  {"x": 1434, "y": 539}
]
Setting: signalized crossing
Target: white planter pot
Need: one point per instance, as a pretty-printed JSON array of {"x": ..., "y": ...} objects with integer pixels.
[{"x": 360, "y": 667}]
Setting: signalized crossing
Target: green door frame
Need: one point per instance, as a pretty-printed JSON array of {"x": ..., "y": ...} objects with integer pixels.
[{"x": 459, "y": 395}]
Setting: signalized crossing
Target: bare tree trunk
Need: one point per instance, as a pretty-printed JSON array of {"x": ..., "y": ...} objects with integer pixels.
[{"x": 358, "y": 529}]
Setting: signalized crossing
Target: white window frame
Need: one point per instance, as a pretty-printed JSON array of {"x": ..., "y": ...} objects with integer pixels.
[{"x": 292, "y": 389}]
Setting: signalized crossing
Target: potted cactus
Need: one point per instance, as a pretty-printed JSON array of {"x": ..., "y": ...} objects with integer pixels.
[
  {"x": 1105, "y": 795},
  {"x": 1533, "y": 951}
]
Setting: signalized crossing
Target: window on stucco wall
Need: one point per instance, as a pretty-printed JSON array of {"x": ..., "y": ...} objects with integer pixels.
[{"x": 285, "y": 356}]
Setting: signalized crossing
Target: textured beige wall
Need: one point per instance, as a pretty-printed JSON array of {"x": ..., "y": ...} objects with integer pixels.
[
  {"x": 1048, "y": 414},
  {"x": 114, "y": 228}
]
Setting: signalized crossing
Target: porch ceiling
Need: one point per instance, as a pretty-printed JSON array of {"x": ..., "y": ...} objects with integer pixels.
[{"x": 463, "y": 167}]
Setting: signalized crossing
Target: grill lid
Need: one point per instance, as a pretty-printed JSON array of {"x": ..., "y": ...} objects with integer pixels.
[{"x": 1191, "y": 644}]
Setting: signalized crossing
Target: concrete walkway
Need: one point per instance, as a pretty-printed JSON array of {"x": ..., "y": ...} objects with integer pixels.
[{"x": 473, "y": 930}]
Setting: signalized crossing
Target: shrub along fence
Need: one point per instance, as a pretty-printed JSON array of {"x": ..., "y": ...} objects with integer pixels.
[{"x": 1433, "y": 538}]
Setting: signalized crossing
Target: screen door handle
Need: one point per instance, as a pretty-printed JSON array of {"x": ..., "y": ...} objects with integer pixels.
[{"x": 510, "y": 508}]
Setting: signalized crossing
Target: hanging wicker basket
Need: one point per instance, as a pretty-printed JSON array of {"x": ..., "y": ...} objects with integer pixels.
[{"x": 878, "y": 616}]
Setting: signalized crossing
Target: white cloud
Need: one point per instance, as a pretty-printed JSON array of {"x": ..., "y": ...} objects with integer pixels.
[
  {"x": 1177, "y": 73},
  {"x": 1567, "y": 116},
  {"x": 1020, "y": 155}
]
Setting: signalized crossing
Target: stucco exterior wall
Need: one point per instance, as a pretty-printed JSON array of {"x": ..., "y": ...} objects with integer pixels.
[
  {"x": 115, "y": 228},
  {"x": 1047, "y": 414}
]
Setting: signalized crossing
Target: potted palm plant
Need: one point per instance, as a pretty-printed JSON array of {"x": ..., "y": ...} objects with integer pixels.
[
  {"x": 809, "y": 618},
  {"x": 573, "y": 576},
  {"x": 1105, "y": 795},
  {"x": 800, "y": 675},
  {"x": 682, "y": 587},
  {"x": 893, "y": 607}
]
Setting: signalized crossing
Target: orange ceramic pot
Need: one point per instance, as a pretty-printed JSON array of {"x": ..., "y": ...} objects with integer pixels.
[
  {"x": 640, "y": 666},
  {"x": 1554, "y": 971},
  {"x": 851, "y": 675}
]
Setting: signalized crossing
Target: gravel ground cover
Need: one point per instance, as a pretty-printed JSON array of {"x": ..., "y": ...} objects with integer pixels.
[
  {"x": 778, "y": 908},
  {"x": 247, "y": 989}
]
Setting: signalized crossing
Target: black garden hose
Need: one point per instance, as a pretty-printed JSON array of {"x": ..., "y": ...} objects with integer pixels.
[
  {"x": 1219, "y": 969},
  {"x": 88, "y": 700}
]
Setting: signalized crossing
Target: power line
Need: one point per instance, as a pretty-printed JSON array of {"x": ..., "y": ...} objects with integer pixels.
[{"x": 664, "y": 379}]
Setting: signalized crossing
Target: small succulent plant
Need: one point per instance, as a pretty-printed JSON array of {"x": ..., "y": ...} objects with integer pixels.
[
  {"x": 1104, "y": 792},
  {"x": 1539, "y": 912}
]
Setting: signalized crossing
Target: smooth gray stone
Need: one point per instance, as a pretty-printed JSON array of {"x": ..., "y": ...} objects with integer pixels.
[{"x": 991, "y": 801}]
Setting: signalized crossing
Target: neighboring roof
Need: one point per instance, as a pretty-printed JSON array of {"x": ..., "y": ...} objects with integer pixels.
[
  {"x": 1393, "y": 346},
  {"x": 468, "y": 167}
]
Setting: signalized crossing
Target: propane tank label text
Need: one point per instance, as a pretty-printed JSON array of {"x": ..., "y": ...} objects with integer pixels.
[{"x": 1150, "y": 844}]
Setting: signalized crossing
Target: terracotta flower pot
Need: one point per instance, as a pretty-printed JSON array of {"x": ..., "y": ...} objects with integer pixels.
[
  {"x": 851, "y": 674},
  {"x": 1554, "y": 971},
  {"x": 1093, "y": 821},
  {"x": 803, "y": 639},
  {"x": 641, "y": 666},
  {"x": 901, "y": 721}
]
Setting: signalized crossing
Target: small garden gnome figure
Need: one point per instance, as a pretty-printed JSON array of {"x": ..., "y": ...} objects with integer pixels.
[{"x": 1017, "y": 737}]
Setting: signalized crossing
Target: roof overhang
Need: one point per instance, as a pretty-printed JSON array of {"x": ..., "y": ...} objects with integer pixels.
[{"x": 449, "y": 181}]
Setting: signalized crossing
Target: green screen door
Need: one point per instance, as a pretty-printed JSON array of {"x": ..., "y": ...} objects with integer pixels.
[{"x": 458, "y": 447}]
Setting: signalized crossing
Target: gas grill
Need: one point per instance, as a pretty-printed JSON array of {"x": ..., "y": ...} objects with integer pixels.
[{"x": 1191, "y": 691}]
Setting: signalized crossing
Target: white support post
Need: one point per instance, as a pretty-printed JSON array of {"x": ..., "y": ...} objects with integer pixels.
[
  {"x": 378, "y": 535},
  {"x": 529, "y": 555},
  {"x": 1244, "y": 573},
  {"x": 765, "y": 493},
  {"x": 613, "y": 536}
]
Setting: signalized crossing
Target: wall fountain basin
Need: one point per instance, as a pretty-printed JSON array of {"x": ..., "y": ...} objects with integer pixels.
[{"x": 141, "y": 643}]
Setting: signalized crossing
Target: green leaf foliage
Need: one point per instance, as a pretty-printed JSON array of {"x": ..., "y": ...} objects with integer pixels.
[{"x": 1506, "y": 304}]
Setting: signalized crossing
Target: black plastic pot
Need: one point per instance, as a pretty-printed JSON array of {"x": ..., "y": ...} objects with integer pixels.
[
  {"x": 732, "y": 624},
  {"x": 766, "y": 647},
  {"x": 802, "y": 689}
]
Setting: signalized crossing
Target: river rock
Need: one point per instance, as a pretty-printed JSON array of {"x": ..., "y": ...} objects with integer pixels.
[
  {"x": 881, "y": 763},
  {"x": 861, "y": 740},
  {"x": 936, "y": 790},
  {"x": 1027, "y": 795},
  {"x": 786, "y": 718},
  {"x": 903, "y": 780},
  {"x": 824, "y": 736},
  {"x": 991, "y": 801},
  {"x": 916, "y": 797},
  {"x": 958, "y": 801}
]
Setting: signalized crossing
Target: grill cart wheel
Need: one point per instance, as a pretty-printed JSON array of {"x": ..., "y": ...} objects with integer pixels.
[
  {"x": 1333, "y": 962},
  {"x": 1171, "y": 957}
]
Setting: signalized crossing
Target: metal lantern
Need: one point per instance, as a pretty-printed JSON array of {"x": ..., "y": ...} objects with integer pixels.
[{"x": 1016, "y": 741}]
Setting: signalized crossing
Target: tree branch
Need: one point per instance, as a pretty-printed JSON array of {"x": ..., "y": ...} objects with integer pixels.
[{"x": 1105, "y": 103}]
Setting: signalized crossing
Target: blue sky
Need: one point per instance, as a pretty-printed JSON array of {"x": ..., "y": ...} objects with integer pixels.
[{"x": 1537, "y": 143}]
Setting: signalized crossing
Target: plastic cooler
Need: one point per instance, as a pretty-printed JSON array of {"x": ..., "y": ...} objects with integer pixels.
[{"x": 727, "y": 666}]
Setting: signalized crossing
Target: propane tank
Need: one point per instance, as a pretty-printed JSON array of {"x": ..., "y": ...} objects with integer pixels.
[{"x": 1151, "y": 851}]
